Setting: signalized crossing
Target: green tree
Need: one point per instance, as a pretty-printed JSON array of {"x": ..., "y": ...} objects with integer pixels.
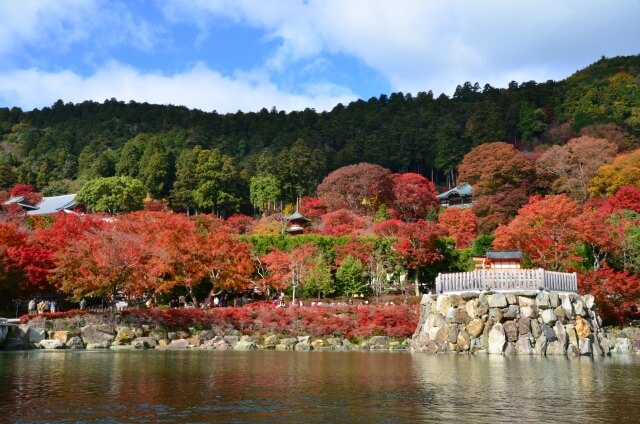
[
  {"x": 350, "y": 276},
  {"x": 318, "y": 280},
  {"x": 218, "y": 181},
  {"x": 112, "y": 195},
  {"x": 264, "y": 190}
]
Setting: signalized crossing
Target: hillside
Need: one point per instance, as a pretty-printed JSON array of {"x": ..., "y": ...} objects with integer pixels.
[{"x": 57, "y": 149}]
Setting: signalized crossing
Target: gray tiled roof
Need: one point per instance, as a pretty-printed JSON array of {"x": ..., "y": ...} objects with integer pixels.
[
  {"x": 504, "y": 254},
  {"x": 54, "y": 204},
  {"x": 462, "y": 190}
]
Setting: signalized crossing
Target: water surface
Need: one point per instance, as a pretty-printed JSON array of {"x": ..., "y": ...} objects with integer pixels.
[{"x": 208, "y": 386}]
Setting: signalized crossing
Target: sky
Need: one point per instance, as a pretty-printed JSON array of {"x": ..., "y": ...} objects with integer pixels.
[{"x": 230, "y": 55}]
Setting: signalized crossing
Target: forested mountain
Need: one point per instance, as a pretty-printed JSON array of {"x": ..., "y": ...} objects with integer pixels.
[{"x": 199, "y": 160}]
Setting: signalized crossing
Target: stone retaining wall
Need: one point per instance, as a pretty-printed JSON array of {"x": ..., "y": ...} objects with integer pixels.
[
  {"x": 517, "y": 323},
  {"x": 74, "y": 334}
]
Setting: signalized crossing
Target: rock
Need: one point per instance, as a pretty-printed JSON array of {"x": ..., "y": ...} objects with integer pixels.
[
  {"x": 554, "y": 300},
  {"x": 138, "y": 331},
  {"x": 541, "y": 345},
  {"x": 621, "y": 345},
  {"x": 379, "y": 340},
  {"x": 303, "y": 346},
  {"x": 573, "y": 351},
  {"x": 549, "y": 333},
  {"x": 476, "y": 345},
  {"x": 597, "y": 349},
  {"x": 497, "y": 339},
  {"x": 475, "y": 309},
  {"x": 561, "y": 334},
  {"x": 567, "y": 307},
  {"x": 75, "y": 343},
  {"x": 523, "y": 346},
  {"x": 542, "y": 300},
  {"x": 433, "y": 332},
  {"x": 582, "y": 327},
  {"x": 140, "y": 344},
  {"x": 245, "y": 344},
  {"x": 98, "y": 346},
  {"x": 29, "y": 334},
  {"x": 452, "y": 335},
  {"x": 97, "y": 334},
  {"x": 232, "y": 340},
  {"x": 178, "y": 344},
  {"x": 526, "y": 301},
  {"x": 475, "y": 327},
  {"x": 529, "y": 312},
  {"x": 511, "y": 330},
  {"x": 194, "y": 341},
  {"x": 320, "y": 343},
  {"x": 442, "y": 334},
  {"x": 548, "y": 317},
  {"x": 585, "y": 346},
  {"x": 463, "y": 341},
  {"x": 271, "y": 340},
  {"x": 511, "y": 312},
  {"x": 163, "y": 343},
  {"x": 512, "y": 299},
  {"x": 497, "y": 300},
  {"x": 125, "y": 335},
  {"x": 496, "y": 314},
  {"x": 559, "y": 313},
  {"x": 63, "y": 336},
  {"x": 50, "y": 344},
  {"x": 206, "y": 335},
  {"x": 118, "y": 346},
  {"x": 524, "y": 326},
  {"x": 536, "y": 330},
  {"x": 221, "y": 343},
  {"x": 510, "y": 350},
  {"x": 148, "y": 341},
  {"x": 572, "y": 337},
  {"x": 604, "y": 344},
  {"x": 589, "y": 301},
  {"x": 578, "y": 307},
  {"x": 443, "y": 304},
  {"x": 450, "y": 314},
  {"x": 158, "y": 334},
  {"x": 461, "y": 316},
  {"x": 555, "y": 348}
]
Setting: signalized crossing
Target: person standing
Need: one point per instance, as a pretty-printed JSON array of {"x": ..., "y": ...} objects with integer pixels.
[{"x": 32, "y": 306}]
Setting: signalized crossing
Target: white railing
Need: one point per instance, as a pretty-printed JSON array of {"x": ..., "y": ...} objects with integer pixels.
[{"x": 506, "y": 280}]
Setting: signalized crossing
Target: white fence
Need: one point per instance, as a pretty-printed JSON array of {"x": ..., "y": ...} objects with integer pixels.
[{"x": 507, "y": 279}]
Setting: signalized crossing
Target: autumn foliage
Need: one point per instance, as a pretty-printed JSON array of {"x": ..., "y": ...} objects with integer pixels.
[
  {"x": 617, "y": 293},
  {"x": 461, "y": 224}
]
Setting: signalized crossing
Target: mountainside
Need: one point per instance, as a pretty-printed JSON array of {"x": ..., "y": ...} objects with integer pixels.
[{"x": 57, "y": 149}]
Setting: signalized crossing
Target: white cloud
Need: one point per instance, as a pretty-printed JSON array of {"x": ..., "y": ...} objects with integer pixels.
[
  {"x": 198, "y": 87},
  {"x": 419, "y": 45},
  {"x": 59, "y": 24}
]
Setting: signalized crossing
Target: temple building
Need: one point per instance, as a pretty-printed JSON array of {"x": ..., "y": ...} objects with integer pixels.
[
  {"x": 460, "y": 196},
  {"x": 47, "y": 206},
  {"x": 296, "y": 223}
]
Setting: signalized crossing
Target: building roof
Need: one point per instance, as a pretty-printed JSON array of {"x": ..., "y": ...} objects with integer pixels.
[
  {"x": 54, "y": 204},
  {"x": 463, "y": 190},
  {"x": 295, "y": 216},
  {"x": 504, "y": 254},
  {"x": 14, "y": 199}
]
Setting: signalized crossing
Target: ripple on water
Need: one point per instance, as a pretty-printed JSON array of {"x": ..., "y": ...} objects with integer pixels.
[{"x": 204, "y": 386}]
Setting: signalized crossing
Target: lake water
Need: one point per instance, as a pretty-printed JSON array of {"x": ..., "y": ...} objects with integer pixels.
[{"x": 327, "y": 387}]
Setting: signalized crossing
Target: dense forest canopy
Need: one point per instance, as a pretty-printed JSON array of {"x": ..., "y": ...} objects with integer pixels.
[{"x": 205, "y": 161}]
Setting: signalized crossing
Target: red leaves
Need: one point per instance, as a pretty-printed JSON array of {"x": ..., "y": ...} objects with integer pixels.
[
  {"x": 413, "y": 196},
  {"x": 461, "y": 224},
  {"x": 617, "y": 293},
  {"x": 418, "y": 243},
  {"x": 22, "y": 190},
  {"x": 542, "y": 231},
  {"x": 342, "y": 222},
  {"x": 627, "y": 197},
  {"x": 359, "y": 187},
  {"x": 261, "y": 318},
  {"x": 312, "y": 207}
]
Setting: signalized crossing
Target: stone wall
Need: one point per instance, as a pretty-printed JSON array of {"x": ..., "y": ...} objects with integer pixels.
[
  {"x": 77, "y": 333},
  {"x": 517, "y": 323}
]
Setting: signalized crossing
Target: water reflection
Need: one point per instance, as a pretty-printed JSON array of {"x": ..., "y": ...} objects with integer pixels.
[{"x": 157, "y": 386}]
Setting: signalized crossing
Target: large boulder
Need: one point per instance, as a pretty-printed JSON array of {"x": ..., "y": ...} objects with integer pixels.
[
  {"x": 524, "y": 326},
  {"x": 497, "y": 339},
  {"x": 461, "y": 316},
  {"x": 63, "y": 336},
  {"x": 178, "y": 344},
  {"x": 75, "y": 343},
  {"x": 51, "y": 344},
  {"x": 443, "y": 304},
  {"x": 526, "y": 301},
  {"x": 463, "y": 341},
  {"x": 246, "y": 345},
  {"x": 511, "y": 330},
  {"x": 555, "y": 348},
  {"x": 529, "y": 312},
  {"x": 511, "y": 312},
  {"x": 523, "y": 346},
  {"x": 582, "y": 328},
  {"x": 541, "y": 345},
  {"x": 497, "y": 300},
  {"x": 549, "y": 333},
  {"x": 561, "y": 333},
  {"x": 96, "y": 334},
  {"x": 585, "y": 346},
  {"x": 548, "y": 316},
  {"x": 475, "y": 327},
  {"x": 572, "y": 337},
  {"x": 542, "y": 300},
  {"x": 567, "y": 306}
]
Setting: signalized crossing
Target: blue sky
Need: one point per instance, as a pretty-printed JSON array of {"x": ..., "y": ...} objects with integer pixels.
[{"x": 229, "y": 55}]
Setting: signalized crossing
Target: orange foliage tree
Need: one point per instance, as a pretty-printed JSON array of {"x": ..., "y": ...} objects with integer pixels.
[
  {"x": 542, "y": 231},
  {"x": 492, "y": 167},
  {"x": 461, "y": 224},
  {"x": 413, "y": 196}
]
